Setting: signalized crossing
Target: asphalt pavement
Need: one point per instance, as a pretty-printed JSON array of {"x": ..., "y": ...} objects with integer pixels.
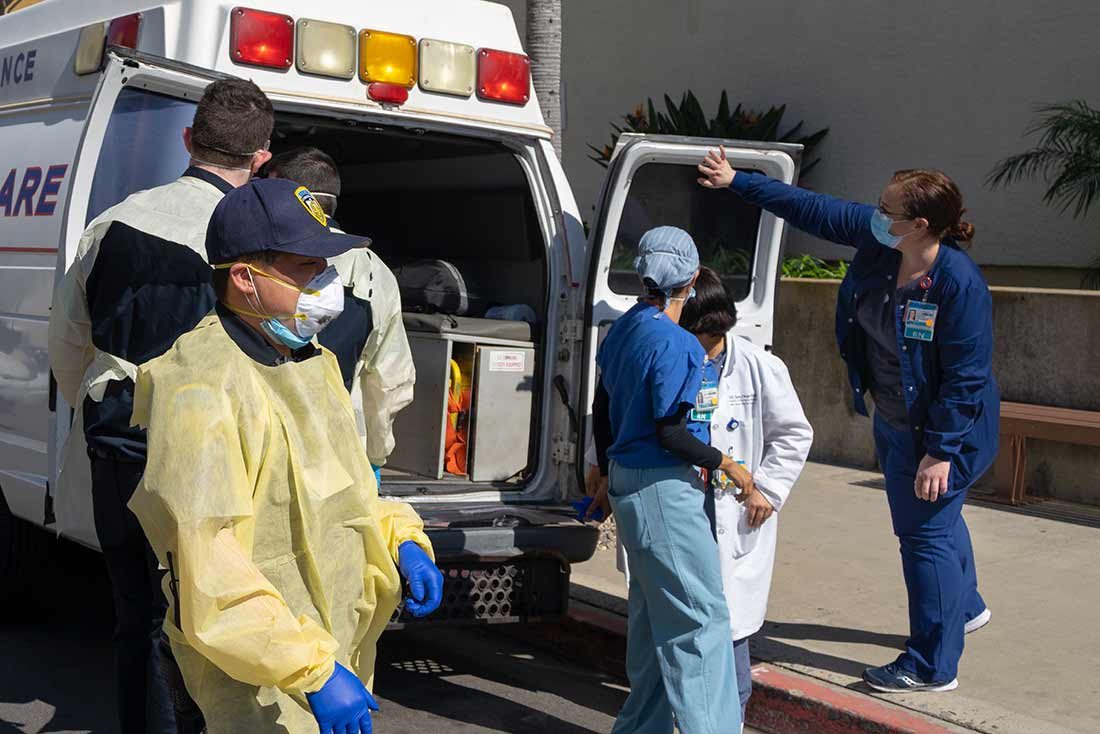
[{"x": 57, "y": 670}]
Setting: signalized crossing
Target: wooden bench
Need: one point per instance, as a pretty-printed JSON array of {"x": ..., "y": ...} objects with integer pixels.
[{"x": 1019, "y": 422}]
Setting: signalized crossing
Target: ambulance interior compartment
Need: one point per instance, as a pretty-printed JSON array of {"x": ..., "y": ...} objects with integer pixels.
[{"x": 428, "y": 195}]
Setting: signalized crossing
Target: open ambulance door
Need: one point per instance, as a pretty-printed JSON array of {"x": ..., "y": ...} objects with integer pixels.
[
  {"x": 650, "y": 182},
  {"x": 132, "y": 140}
]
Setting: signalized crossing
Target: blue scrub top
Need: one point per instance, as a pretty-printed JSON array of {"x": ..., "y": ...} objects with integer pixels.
[
  {"x": 649, "y": 367},
  {"x": 951, "y": 397}
]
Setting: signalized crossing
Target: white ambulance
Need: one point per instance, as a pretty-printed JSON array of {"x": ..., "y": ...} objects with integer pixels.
[{"x": 427, "y": 107}]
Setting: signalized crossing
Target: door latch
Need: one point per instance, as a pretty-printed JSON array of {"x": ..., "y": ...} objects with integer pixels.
[
  {"x": 563, "y": 451},
  {"x": 571, "y": 330}
]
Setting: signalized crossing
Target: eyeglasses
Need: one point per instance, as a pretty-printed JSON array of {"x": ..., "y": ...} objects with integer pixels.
[{"x": 896, "y": 216}]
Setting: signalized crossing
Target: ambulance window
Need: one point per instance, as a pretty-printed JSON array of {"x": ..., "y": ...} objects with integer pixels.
[
  {"x": 143, "y": 147},
  {"x": 723, "y": 226}
]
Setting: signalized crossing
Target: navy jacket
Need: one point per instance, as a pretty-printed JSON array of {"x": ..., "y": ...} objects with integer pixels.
[{"x": 951, "y": 394}]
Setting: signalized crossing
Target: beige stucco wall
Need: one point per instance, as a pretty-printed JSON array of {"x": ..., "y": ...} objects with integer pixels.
[
  {"x": 938, "y": 83},
  {"x": 1046, "y": 348}
]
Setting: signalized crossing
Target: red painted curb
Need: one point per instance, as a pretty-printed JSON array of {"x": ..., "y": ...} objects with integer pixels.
[
  {"x": 794, "y": 704},
  {"x": 782, "y": 702}
]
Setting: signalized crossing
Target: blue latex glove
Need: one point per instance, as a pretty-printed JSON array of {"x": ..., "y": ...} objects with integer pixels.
[
  {"x": 377, "y": 474},
  {"x": 425, "y": 580},
  {"x": 582, "y": 505},
  {"x": 343, "y": 705}
]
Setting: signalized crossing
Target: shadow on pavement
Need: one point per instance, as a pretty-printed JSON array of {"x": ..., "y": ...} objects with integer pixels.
[
  {"x": 769, "y": 645},
  {"x": 59, "y": 674},
  {"x": 435, "y": 670},
  {"x": 826, "y": 633}
]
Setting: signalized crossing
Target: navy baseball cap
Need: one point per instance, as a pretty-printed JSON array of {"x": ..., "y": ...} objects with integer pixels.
[{"x": 273, "y": 214}]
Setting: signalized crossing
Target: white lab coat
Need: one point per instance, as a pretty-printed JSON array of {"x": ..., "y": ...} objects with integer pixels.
[{"x": 773, "y": 437}]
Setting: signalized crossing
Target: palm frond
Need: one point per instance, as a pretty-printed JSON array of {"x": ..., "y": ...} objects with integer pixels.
[{"x": 1066, "y": 158}]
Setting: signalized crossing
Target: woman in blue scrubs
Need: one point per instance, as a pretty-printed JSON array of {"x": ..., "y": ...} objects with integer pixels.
[
  {"x": 679, "y": 658},
  {"x": 914, "y": 323}
]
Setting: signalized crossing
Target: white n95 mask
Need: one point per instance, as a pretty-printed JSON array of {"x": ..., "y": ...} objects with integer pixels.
[{"x": 319, "y": 303}]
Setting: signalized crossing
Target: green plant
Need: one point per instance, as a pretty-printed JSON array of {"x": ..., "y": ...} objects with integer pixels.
[
  {"x": 1066, "y": 158},
  {"x": 807, "y": 266},
  {"x": 688, "y": 118}
]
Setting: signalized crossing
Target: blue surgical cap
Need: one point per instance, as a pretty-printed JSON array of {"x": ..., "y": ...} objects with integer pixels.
[{"x": 667, "y": 256}]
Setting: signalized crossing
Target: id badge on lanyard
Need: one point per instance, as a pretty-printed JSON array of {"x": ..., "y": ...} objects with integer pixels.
[{"x": 920, "y": 316}]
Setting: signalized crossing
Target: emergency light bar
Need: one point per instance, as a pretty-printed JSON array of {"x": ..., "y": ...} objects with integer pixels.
[
  {"x": 387, "y": 58},
  {"x": 260, "y": 38},
  {"x": 124, "y": 31},
  {"x": 447, "y": 68},
  {"x": 327, "y": 49},
  {"x": 503, "y": 76},
  {"x": 89, "y": 49},
  {"x": 389, "y": 63},
  {"x": 121, "y": 31}
]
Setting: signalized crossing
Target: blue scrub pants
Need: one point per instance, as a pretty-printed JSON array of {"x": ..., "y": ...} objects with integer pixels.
[
  {"x": 679, "y": 658},
  {"x": 937, "y": 559},
  {"x": 742, "y": 663}
]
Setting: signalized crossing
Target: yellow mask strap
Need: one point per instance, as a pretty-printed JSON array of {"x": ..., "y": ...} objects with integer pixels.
[{"x": 269, "y": 276}]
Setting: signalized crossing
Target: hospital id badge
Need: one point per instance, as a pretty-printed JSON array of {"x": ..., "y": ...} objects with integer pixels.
[
  {"x": 920, "y": 320},
  {"x": 706, "y": 401}
]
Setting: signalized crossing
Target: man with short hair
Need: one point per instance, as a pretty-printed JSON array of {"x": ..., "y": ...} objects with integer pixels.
[
  {"x": 139, "y": 280},
  {"x": 369, "y": 338},
  {"x": 257, "y": 495}
]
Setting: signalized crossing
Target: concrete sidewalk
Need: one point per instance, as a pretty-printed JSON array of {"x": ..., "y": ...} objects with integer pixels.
[{"x": 838, "y": 606}]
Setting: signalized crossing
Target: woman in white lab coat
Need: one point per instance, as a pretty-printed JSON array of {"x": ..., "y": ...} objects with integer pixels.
[{"x": 758, "y": 420}]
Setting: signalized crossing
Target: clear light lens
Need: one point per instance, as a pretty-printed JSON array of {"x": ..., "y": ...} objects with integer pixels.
[
  {"x": 89, "y": 49},
  {"x": 261, "y": 38},
  {"x": 327, "y": 49},
  {"x": 389, "y": 58},
  {"x": 447, "y": 68}
]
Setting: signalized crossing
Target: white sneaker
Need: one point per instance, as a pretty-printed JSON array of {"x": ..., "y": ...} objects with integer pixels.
[{"x": 978, "y": 622}]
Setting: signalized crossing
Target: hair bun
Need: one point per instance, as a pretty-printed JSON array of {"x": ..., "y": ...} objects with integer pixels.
[{"x": 961, "y": 232}]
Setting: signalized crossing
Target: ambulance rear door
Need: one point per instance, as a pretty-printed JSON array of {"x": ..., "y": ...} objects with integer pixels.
[{"x": 652, "y": 181}]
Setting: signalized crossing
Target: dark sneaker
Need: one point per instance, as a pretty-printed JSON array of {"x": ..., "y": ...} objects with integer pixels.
[
  {"x": 892, "y": 679},
  {"x": 978, "y": 622}
]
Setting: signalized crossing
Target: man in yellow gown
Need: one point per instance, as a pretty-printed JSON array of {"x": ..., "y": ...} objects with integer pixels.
[{"x": 258, "y": 497}]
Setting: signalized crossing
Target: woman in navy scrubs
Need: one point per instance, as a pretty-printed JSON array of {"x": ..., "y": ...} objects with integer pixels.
[
  {"x": 915, "y": 326},
  {"x": 679, "y": 658}
]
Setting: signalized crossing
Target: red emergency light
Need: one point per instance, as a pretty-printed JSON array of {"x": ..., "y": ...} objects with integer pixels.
[
  {"x": 387, "y": 93},
  {"x": 503, "y": 76},
  {"x": 261, "y": 38},
  {"x": 124, "y": 31}
]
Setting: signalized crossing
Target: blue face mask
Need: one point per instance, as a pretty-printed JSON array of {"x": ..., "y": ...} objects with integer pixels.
[
  {"x": 880, "y": 228},
  {"x": 278, "y": 330}
]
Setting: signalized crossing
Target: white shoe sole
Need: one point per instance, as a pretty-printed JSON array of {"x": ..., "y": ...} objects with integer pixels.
[
  {"x": 949, "y": 686},
  {"x": 978, "y": 622}
]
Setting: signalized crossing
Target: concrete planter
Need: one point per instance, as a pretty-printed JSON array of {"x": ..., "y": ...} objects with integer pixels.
[{"x": 1046, "y": 352}]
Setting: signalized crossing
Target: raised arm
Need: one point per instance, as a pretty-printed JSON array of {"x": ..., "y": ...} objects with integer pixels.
[{"x": 836, "y": 220}]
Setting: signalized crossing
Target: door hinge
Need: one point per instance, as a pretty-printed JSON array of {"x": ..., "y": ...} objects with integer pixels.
[
  {"x": 571, "y": 330},
  {"x": 564, "y": 451}
]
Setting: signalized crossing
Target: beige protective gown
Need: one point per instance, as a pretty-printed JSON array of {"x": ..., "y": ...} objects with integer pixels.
[
  {"x": 177, "y": 212},
  {"x": 384, "y": 374},
  {"x": 259, "y": 498}
]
